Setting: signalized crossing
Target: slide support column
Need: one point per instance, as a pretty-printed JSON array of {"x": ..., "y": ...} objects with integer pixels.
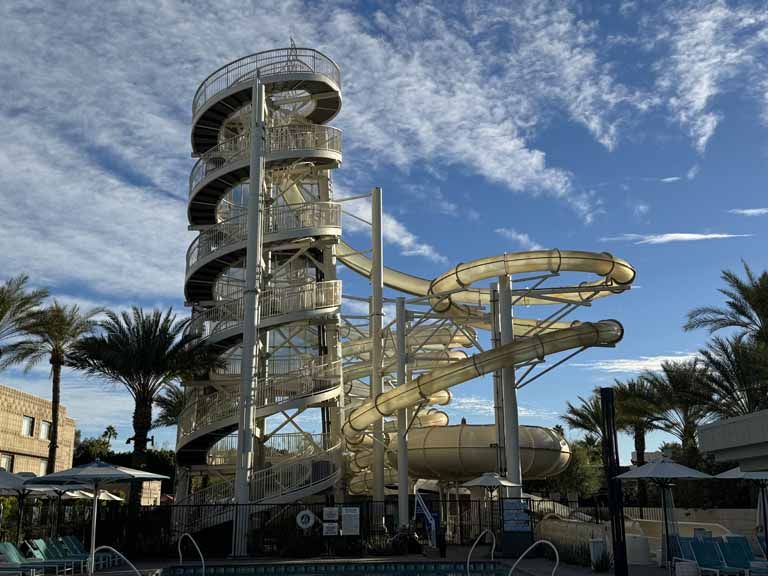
[
  {"x": 498, "y": 391},
  {"x": 377, "y": 285},
  {"x": 250, "y": 324},
  {"x": 402, "y": 418},
  {"x": 511, "y": 425}
]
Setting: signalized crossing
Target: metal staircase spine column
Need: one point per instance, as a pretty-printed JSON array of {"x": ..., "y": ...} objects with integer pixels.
[
  {"x": 250, "y": 322},
  {"x": 377, "y": 285}
]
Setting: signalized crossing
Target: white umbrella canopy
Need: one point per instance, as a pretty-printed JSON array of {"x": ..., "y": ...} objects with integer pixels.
[
  {"x": 490, "y": 480},
  {"x": 94, "y": 475},
  {"x": 663, "y": 469}
]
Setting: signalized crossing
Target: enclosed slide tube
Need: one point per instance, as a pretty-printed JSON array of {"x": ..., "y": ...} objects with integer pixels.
[
  {"x": 461, "y": 452},
  {"x": 605, "y": 332}
]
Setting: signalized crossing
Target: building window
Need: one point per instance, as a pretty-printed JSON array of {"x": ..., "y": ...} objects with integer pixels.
[
  {"x": 6, "y": 462},
  {"x": 43, "y": 468},
  {"x": 28, "y": 426},
  {"x": 45, "y": 430}
]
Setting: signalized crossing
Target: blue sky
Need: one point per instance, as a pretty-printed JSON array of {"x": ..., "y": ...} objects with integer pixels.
[{"x": 638, "y": 128}]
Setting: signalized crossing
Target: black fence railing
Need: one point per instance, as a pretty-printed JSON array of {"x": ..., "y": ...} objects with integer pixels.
[{"x": 357, "y": 527}]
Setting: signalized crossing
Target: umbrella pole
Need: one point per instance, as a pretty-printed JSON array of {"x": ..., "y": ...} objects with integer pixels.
[
  {"x": 20, "y": 521},
  {"x": 764, "y": 496},
  {"x": 665, "y": 548},
  {"x": 94, "y": 515}
]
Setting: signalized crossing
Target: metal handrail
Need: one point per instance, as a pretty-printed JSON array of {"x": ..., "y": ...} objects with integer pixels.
[
  {"x": 266, "y": 64},
  {"x": 294, "y": 475},
  {"x": 285, "y": 218},
  {"x": 274, "y": 301},
  {"x": 285, "y": 446},
  {"x": 208, "y": 410},
  {"x": 279, "y": 139}
]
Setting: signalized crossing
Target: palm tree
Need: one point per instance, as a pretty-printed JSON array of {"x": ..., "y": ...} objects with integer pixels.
[
  {"x": 746, "y": 307},
  {"x": 684, "y": 399},
  {"x": 737, "y": 375},
  {"x": 586, "y": 417},
  {"x": 171, "y": 403},
  {"x": 109, "y": 434},
  {"x": 17, "y": 303},
  {"x": 51, "y": 333},
  {"x": 638, "y": 408},
  {"x": 144, "y": 352}
]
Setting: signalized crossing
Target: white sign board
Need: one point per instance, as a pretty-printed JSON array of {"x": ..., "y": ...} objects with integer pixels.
[
  {"x": 330, "y": 529},
  {"x": 350, "y": 521},
  {"x": 330, "y": 514}
]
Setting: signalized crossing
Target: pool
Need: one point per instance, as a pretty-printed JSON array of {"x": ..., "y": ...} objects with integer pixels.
[{"x": 349, "y": 568}]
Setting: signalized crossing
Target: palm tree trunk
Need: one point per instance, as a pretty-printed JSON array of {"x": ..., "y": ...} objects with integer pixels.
[
  {"x": 142, "y": 423},
  {"x": 642, "y": 489},
  {"x": 53, "y": 444}
]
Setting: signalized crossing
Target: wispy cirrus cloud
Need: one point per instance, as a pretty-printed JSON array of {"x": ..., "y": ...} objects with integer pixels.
[
  {"x": 670, "y": 179},
  {"x": 708, "y": 48},
  {"x": 749, "y": 211},
  {"x": 520, "y": 239},
  {"x": 634, "y": 365},
  {"x": 670, "y": 237}
]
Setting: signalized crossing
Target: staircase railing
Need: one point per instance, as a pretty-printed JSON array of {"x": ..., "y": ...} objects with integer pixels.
[{"x": 294, "y": 475}]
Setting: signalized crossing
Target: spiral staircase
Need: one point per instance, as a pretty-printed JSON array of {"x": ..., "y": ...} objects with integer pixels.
[{"x": 298, "y": 362}]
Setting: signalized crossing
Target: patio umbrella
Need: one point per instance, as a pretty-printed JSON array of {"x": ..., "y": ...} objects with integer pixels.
[
  {"x": 12, "y": 485},
  {"x": 663, "y": 472},
  {"x": 491, "y": 481},
  {"x": 94, "y": 475},
  {"x": 761, "y": 477}
]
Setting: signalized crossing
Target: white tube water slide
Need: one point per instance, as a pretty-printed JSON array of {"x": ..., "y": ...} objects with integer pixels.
[{"x": 462, "y": 452}]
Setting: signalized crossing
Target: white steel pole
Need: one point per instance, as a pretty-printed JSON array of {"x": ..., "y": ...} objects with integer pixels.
[
  {"x": 498, "y": 392},
  {"x": 511, "y": 425},
  {"x": 250, "y": 322},
  {"x": 377, "y": 285},
  {"x": 402, "y": 418}
]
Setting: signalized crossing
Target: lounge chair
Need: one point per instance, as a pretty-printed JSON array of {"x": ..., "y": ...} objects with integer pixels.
[
  {"x": 709, "y": 559},
  {"x": 48, "y": 550},
  {"x": 742, "y": 540},
  {"x": 735, "y": 556},
  {"x": 75, "y": 547},
  {"x": 14, "y": 558}
]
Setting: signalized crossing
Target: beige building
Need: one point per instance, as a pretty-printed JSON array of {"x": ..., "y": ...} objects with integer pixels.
[{"x": 25, "y": 427}]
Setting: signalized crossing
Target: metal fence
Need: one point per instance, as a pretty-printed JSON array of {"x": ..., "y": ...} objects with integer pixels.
[{"x": 274, "y": 529}]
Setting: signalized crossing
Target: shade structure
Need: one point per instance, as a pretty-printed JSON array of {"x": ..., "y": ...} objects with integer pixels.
[
  {"x": 664, "y": 472},
  {"x": 94, "y": 475},
  {"x": 663, "y": 469},
  {"x": 490, "y": 480},
  {"x": 10, "y": 484},
  {"x": 761, "y": 477}
]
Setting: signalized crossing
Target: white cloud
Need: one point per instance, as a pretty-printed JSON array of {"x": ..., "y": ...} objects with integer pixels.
[
  {"x": 393, "y": 231},
  {"x": 640, "y": 210},
  {"x": 634, "y": 365},
  {"x": 670, "y": 237},
  {"x": 521, "y": 239},
  {"x": 670, "y": 179},
  {"x": 749, "y": 211},
  {"x": 693, "y": 171},
  {"x": 711, "y": 47},
  {"x": 481, "y": 408}
]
